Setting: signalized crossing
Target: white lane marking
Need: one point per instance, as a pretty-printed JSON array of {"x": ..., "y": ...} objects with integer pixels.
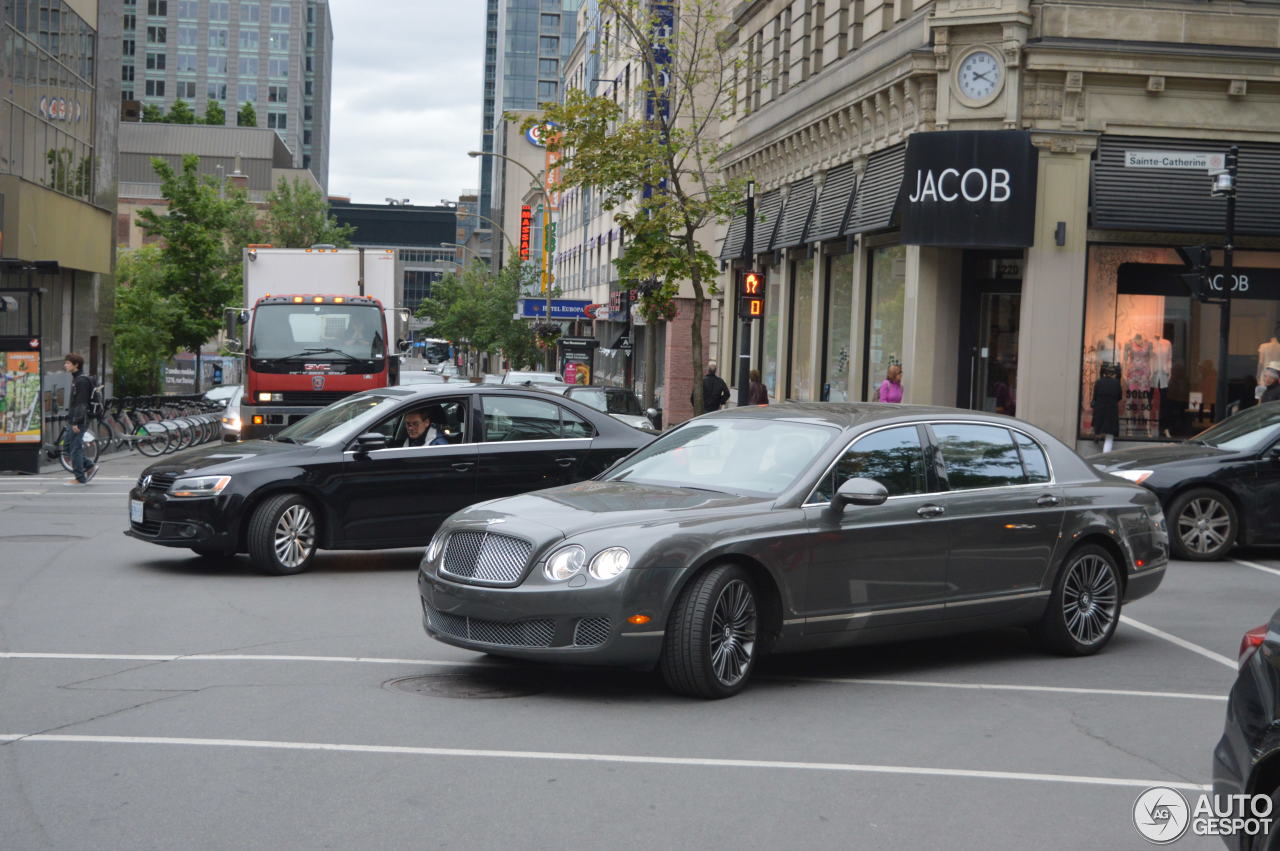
[
  {"x": 61, "y": 493},
  {"x": 1181, "y": 642},
  {"x": 1169, "y": 695},
  {"x": 1263, "y": 568},
  {"x": 219, "y": 657},
  {"x": 850, "y": 767}
]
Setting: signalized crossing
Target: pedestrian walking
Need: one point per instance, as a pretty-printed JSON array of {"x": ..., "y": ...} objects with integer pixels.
[
  {"x": 714, "y": 391},
  {"x": 1107, "y": 394},
  {"x": 1270, "y": 383},
  {"x": 891, "y": 388},
  {"x": 757, "y": 393},
  {"x": 78, "y": 419}
]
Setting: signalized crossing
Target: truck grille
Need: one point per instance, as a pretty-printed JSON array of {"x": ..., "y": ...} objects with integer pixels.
[
  {"x": 486, "y": 558},
  {"x": 529, "y": 633},
  {"x": 307, "y": 397}
]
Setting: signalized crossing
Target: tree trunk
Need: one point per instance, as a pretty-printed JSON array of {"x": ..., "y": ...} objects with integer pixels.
[
  {"x": 198, "y": 367},
  {"x": 650, "y": 365}
]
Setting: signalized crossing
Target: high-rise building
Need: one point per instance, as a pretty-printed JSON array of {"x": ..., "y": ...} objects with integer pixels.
[
  {"x": 526, "y": 45},
  {"x": 274, "y": 54}
]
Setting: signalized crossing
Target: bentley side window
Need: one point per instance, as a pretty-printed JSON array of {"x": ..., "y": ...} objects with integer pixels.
[
  {"x": 1033, "y": 460},
  {"x": 893, "y": 457},
  {"x": 978, "y": 456}
]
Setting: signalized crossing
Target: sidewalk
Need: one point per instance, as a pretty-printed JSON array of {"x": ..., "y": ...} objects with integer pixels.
[{"x": 117, "y": 464}]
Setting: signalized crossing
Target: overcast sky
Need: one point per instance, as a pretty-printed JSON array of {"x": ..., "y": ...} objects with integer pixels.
[{"x": 407, "y": 82}]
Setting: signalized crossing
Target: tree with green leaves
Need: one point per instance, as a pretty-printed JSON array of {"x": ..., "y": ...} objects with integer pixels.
[
  {"x": 152, "y": 114},
  {"x": 656, "y": 161},
  {"x": 477, "y": 305},
  {"x": 298, "y": 217},
  {"x": 214, "y": 113},
  {"x": 247, "y": 116},
  {"x": 201, "y": 230},
  {"x": 144, "y": 320},
  {"x": 180, "y": 112}
]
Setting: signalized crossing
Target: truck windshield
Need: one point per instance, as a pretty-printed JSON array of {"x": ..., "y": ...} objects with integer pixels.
[{"x": 323, "y": 332}]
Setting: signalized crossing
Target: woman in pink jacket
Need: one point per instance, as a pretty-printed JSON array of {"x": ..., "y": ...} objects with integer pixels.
[{"x": 891, "y": 387}]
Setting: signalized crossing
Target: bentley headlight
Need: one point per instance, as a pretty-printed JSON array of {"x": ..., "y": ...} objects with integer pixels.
[
  {"x": 199, "y": 486},
  {"x": 1135, "y": 476},
  {"x": 565, "y": 563},
  {"x": 436, "y": 545},
  {"x": 609, "y": 563}
]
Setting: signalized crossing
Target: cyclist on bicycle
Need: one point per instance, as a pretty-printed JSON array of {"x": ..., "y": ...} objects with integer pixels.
[{"x": 78, "y": 418}]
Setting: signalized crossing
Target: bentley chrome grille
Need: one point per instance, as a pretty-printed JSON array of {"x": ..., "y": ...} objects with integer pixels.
[
  {"x": 485, "y": 558},
  {"x": 591, "y": 632},
  {"x": 537, "y": 632}
]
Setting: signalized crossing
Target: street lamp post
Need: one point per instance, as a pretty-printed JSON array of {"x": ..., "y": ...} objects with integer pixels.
[
  {"x": 498, "y": 228},
  {"x": 462, "y": 247},
  {"x": 546, "y": 216},
  {"x": 1224, "y": 185}
]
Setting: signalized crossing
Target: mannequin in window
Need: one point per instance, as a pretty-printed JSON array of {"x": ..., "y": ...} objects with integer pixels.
[
  {"x": 1106, "y": 406},
  {"x": 1137, "y": 380}
]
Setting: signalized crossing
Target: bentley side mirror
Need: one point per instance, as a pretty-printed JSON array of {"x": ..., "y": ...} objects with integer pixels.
[
  {"x": 858, "y": 491},
  {"x": 370, "y": 441}
]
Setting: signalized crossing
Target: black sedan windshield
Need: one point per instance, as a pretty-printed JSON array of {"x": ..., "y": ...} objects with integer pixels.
[
  {"x": 1247, "y": 430},
  {"x": 340, "y": 420},
  {"x": 748, "y": 456}
]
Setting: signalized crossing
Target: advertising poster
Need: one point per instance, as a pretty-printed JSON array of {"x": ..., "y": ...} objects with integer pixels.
[{"x": 19, "y": 393}]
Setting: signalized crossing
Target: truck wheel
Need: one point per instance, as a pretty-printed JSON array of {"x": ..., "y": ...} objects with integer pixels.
[{"x": 282, "y": 535}]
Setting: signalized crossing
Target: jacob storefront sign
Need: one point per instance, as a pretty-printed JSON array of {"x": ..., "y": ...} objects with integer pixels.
[{"x": 969, "y": 189}]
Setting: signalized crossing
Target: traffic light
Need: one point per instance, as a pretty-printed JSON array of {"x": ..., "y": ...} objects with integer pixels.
[
  {"x": 750, "y": 295},
  {"x": 1197, "y": 258}
]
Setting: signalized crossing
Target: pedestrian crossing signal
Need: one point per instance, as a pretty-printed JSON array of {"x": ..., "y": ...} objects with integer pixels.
[{"x": 750, "y": 295}]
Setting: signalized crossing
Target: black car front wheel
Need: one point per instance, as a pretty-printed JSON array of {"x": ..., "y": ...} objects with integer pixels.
[
  {"x": 282, "y": 535},
  {"x": 1085, "y": 605},
  {"x": 1204, "y": 525},
  {"x": 711, "y": 636}
]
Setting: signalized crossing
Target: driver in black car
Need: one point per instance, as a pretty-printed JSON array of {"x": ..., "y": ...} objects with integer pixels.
[{"x": 425, "y": 427}]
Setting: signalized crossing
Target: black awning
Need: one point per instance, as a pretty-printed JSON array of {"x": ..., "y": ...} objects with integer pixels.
[
  {"x": 834, "y": 203},
  {"x": 732, "y": 246},
  {"x": 769, "y": 212},
  {"x": 1148, "y": 184},
  {"x": 798, "y": 215},
  {"x": 873, "y": 207}
]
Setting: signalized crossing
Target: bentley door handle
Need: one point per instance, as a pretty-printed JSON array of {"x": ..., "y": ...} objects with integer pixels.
[
  {"x": 463, "y": 466},
  {"x": 931, "y": 510},
  {"x": 1047, "y": 500}
]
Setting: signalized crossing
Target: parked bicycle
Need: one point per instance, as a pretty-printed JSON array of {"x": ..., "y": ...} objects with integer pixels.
[{"x": 60, "y": 450}]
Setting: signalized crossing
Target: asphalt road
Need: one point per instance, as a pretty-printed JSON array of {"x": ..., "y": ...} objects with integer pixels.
[{"x": 150, "y": 698}]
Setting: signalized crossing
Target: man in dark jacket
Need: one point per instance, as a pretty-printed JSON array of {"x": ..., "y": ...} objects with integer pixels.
[
  {"x": 714, "y": 391},
  {"x": 1271, "y": 383},
  {"x": 78, "y": 418}
]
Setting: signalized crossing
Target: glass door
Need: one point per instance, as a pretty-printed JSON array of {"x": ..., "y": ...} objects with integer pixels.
[{"x": 995, "y": 356}]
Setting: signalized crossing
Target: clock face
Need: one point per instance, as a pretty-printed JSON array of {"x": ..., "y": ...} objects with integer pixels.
[{"x": 979, "y": 75}]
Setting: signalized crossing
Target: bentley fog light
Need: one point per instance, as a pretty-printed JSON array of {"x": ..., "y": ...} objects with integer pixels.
[
  {"x": 609, "y": 563},
  {"x": 565, "y": 563}
]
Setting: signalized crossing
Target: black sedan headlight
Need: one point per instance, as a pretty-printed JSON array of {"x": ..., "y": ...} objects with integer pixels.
[{"x": 198, "y": 486}]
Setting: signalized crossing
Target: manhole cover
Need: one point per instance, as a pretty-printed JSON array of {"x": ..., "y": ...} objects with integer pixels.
[
  {"x": 475, "y": 685},
  {"x": 41, "y": 539}
]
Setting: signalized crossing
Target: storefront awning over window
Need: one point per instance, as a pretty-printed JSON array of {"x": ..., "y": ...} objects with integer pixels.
[
  {"x": 798, "y": 215},
  {"x": 1150, "y": 184},
  {"x": 732, "y": 246},
  {"x": 877, "y": 196},
  {"x": 769, "y": 208},
  {"x": 834, "y": 203}
]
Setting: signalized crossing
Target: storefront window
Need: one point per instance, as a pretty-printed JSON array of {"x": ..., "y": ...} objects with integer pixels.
[
  {"x": 835, "y": 370},
  {"x": 887, "y": 299},
  {"x": 772, "y": 327},
  {"x": 1142, "y": 326},
  {"x": 802, "y": 328}
]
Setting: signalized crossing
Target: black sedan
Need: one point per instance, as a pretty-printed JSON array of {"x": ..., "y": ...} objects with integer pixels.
[
  {"x": 377, "y": 469},
  {"x": 793, "y": 527},
  {"x": 1246, "y": 760},
  {"x": 1219, "y": 489}
]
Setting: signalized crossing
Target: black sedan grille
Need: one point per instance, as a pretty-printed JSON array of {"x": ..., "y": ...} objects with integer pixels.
[
  {"x": 591, "y": 632},
  {"x": 157, "y": 482},
  {"x": 486, "y": 558},
  {"x": 536, "y": 632},
  {"x": 147, "y": 527}
]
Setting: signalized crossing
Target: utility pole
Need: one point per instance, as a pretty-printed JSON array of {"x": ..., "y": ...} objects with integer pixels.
[{"x": 744, "y": 334}]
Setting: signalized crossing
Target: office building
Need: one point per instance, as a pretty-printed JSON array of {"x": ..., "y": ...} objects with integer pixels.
[
  {"x": 274, "y": 54},
  {"x": 59, "y": 119}
]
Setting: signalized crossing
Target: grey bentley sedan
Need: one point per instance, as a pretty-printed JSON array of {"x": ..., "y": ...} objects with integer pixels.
[{"x": 795, "y": 527}]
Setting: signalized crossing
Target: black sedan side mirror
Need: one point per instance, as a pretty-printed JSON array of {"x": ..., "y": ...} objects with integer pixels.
[
  {"x": 856, "y": 491},
  {"x": 370, "y": 441},
  {"x": 1273, "y": 455}
]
